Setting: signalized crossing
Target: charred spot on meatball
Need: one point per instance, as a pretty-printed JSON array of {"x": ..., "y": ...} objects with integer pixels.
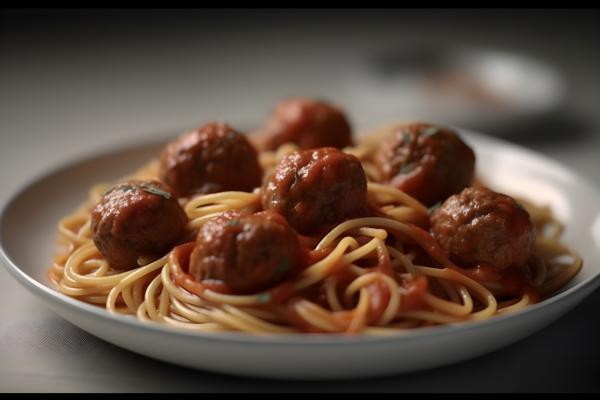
[
  {"x": 313, "y": 188},
  {"x": 307, "y": 123},
  {"x": 136, "y": 219},
  {"x": 248, "y": 252},
  {"x": 212, "y": 158},
  {"x": 426, "y": 161},
  {"x": 480, "y": 226}
]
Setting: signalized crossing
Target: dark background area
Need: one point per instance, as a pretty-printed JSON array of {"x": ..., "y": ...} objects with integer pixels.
[{"x": 74, "y": 81}]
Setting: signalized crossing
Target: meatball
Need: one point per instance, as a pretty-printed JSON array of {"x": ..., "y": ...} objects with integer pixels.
[
  {"x": 249, "y": 253},
  {"x": 426, "y": 161},
  {"x": 481, "y": 226},
  {"x": 308, "y": 123},
  {"x": 136, "y": 219},
  {"x": 213, "y": 158},
  {"x": 312, "y": 188}
]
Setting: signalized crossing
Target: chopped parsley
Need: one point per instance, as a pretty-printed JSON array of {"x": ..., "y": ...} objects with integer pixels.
[
  {"x": 405, "y": 138},
  {"x": 155, "y": 190},
  {"x": 124, "y": 188},
  {"x": 231, "y": 135},
  {"x": 263, "y": 298},
  {"x": 434, "y": 207},
  {"x": 406, "y": 168},
  {"x": 429, "y": 131},
  {"x": 282, "y": 266}
]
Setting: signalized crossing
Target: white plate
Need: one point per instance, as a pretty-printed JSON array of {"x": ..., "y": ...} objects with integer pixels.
[
  {"x": 28, "y": 234},
  {"x": 468, "y": 86}
]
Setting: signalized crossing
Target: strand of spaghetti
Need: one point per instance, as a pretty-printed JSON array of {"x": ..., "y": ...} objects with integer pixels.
[
  {"x": 86, "y": 229},
  {"x": 403, "y": 213},
  {"x": 275, "y": 315},
  {"x": 562, "y": 278},
  {"x": 331, "y": 294},
  {"x": 258, "y": 323},
  {"x": 408, "y": 230},
  {"x": 178, "y": 292},
  {"x": 405, "y": 261},
  {"x": 372, "y": 172},
  {"x": 362, "y": 251},
  {"x": 99, "y": 267},
  {"x": 451, "y": 290},
  {"x": 149, "y": 300},
  {"x": 359, "y": 314},
  {"x": 197, "y": 222},
  {"x": 164, "y": 300},
  {"x": 230, "y": 197},
  {"x": 316, "y": 272},
  {"x": 398, "y": 195},
  {"x": 314, "y": 315},
  {"x": 449, "y": 307},
  {"x": 204, "y": 327},
  {"x": 139, "y": 288},
  {"x": 394, "y": 302},
  {"x": 540, "y": 269},
  {"x": 77, "y": 258},
  {"x": 64, "y": 224},
  {"x": 482, "y": 293},
  {"x": 80, "y": 291},
  {"x": 380, "y": 234},
  {"x": 127, "y": 296},
  {"x": 236, "y": 300},
  {"x": 232, "y": 322},
  {"x": 364, "y": 280},
  {"x": 523, "y": 302},
  {"x": 131, "y": 277},
  {"x": 197, "y": 316},
  {"x": 550, "y": 249}
]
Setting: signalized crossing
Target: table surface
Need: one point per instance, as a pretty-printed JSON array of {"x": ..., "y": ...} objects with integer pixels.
[{"x": 76, "y": 82}]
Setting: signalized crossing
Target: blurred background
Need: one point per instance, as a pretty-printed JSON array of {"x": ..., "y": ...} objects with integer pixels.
[
  {"x": 76, "y": 80},
  {"x": 73, "y": 82}
]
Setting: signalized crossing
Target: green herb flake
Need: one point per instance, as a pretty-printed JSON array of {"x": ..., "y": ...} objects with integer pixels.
[
  {"x": 157, "y": 191},
  {"x": 521, "y": 206},
  {"x": 233, "y": 222},
  {"x": 263, "y": 298},
  {"x": 282, "y": 266},
  {"x": 429, "y": 131},
  {"x": 406, "y": 138},
  {"x": 124, "y": 188},
  {"x": 407, "y": 168},
  {"x": 434, "y": 207}
]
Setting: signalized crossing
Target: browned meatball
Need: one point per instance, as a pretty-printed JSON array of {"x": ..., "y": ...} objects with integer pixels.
[
  {"x": 213, "y": 158},
  {"x": 426, "y": 161},
  {"x": 250, "y": 253},
  {"x": 482, "y": 226},
  {"x": 308, "y": 123},
  {"x": 136, "y": 219},
  {"x": 312, "y": 188}
]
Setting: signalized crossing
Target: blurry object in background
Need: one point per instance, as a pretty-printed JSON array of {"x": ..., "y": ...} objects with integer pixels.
[{"x": 477, "y": 89}]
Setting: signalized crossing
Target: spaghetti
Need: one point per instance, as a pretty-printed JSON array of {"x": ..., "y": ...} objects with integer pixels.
[{"x": 366, "y": 274}]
